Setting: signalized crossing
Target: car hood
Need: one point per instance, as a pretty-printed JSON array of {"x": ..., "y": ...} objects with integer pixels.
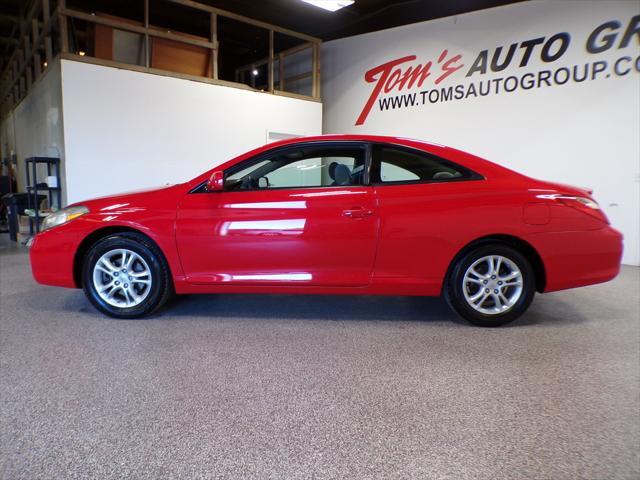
[{"x": 145, "y": 198}]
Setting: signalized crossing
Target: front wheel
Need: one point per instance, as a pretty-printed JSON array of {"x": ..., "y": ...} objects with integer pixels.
[
  {"x": 126, "y": 276},
  {"x": 490, "y": 286}
]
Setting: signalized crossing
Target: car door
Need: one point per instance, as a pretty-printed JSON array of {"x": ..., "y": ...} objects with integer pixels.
[
  {"x": 297, "y": 215},
  {"x": 428, "y": 206}
]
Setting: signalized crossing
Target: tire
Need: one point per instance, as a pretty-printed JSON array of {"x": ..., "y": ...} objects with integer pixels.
[
  {"x": 147, "y": 278},
  {"x": 485, "y": 298}
]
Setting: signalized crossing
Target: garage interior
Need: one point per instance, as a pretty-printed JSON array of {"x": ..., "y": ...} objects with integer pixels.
[{"x": 288, "y": 386}]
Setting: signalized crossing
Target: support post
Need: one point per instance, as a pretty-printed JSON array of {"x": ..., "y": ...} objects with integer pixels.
[
  {"x": 45, "y": 11},
  {"x": 317, "y": 71},
  {"x": 27, "y": 49},
  {"x": 27, "y": 52},
  {"x": 214, "y": 49},
  {"x": 281, "y": 73},
  {"x": 35, "y": 33},
  {"x": 62, "y": 22},
  {"x": 314, "y": 62},
  {"x": 29, "y": 78},
  {"x": 48, "y": 49},
  {"x": 270, "y": 69},
  {"x": 48, "y": 46},
  {"x": 147, "y": 49},
  {"x": 37, "y": 65}
]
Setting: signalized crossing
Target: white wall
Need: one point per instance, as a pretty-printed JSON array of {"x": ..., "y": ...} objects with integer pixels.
[
  {"x": 126, "y": 130},
  {"x": 34, "y": 127},
  {"x": 585, "y": 133}
]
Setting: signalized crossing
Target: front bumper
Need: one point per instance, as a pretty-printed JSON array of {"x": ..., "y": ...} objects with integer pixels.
[{"x": 52, "y": 253}]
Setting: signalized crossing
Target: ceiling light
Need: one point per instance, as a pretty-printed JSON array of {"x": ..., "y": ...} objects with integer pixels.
[
  {"x": 331, "y": 5},
  {"x": 254, "y": 72}
]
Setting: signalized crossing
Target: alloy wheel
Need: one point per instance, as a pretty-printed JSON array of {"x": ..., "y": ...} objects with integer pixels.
[
  {"x": 492, "y": 284},
  {"x": 122, "y": 278}
]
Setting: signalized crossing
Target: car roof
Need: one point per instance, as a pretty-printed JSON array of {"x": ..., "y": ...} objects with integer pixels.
[
  {"x": 353, "y": 137},
  {"x": 449, "y": 153}
]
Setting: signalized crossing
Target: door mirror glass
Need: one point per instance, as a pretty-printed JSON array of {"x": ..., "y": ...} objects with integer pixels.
[
  {"x": 216, "y": 181},
  {"x": 263, "y": 182}
]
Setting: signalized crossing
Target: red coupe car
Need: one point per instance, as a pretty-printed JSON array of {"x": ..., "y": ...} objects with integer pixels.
[{"x": 338, "y": 214}]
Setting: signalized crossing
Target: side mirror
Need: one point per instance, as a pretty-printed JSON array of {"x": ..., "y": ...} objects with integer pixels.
[
  {"x": 263, "y": 182},
  {"x": 216, "y": 181}
]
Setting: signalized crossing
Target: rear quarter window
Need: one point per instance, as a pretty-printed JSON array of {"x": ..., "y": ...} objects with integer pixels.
[{"x": 393, "y": 164}]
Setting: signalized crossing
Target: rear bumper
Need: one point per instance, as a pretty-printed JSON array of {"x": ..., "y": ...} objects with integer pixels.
[
  {"x": 576, "y": 259},
  {"x": 51, "y": 255}
]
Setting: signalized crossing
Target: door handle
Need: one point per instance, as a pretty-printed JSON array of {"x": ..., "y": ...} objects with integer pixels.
[{"x": 357, "y": 212}]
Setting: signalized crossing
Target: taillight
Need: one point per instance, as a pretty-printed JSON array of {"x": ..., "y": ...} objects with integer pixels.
[{"x": 583, "y": 204}]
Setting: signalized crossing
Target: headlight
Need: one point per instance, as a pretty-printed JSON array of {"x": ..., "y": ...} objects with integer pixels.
[{"x": 63, "y": 216}]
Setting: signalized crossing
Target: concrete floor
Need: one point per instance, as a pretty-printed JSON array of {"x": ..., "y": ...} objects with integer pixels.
[{"x": 317, "y": 387}]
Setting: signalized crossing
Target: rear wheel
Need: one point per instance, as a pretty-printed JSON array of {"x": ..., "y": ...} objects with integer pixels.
[
  {"x": 492, "y": 285},
  {"x": 126, "y": 276}
]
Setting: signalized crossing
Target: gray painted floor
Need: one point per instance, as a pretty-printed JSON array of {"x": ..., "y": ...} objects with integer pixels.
[{"x": 317, "y": 387}]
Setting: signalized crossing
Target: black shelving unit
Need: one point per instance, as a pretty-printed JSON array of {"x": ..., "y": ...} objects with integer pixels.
[{"x": 34, "y": 188}]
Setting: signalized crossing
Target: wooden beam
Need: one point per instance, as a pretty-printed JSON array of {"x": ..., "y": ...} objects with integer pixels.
[
  {"x": 37, "y": 65},
  {"x": 147, "y": 49},
  {"x": 27, "y": 48},
  {"x": 318, "y": 72},
  {"x": 180, "y": 38},
  {"x": 216, "y": 45},
  {"x": 48, "y": 49},
  {"x": 296, "y": 95},
  {"x": 23, "y": 27},
  {"x": 62, "y": 22},
  {"x": 300, "y": 76},
  {"x": 4, "y": 17},
  {"x": 164, "y": 73},
  {"x": 270, "y": 69},
  {"x": 315, "y": 92},
  {"x": 48, "y": 46},
  {"x": 289, "y": 51},
  {"x": 35, "y": 27},
  {"x": 281, "y": 72},
  {"x": 241, "y": 18},
  {"x": 102, "y": 20},
  {"x": 18, "y": 72},
  {"x": 29, "y": 79},
  {"x": 21, "y": 59},
  {"x": 135, "y": 28},
  {"x": 46, "y": 10}
]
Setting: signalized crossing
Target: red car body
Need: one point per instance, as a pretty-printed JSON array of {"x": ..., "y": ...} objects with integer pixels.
[{"x": 370, "y": 239}]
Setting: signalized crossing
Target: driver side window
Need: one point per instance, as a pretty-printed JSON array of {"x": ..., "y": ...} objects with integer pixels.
[{"x": 301, "y": 167}]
